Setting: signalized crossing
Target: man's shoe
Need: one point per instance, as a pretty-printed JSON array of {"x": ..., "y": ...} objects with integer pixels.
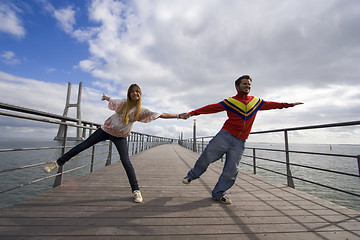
[
  {"x": 224, "y": 200},
  {"x": 51, "y": 167},
  {"x": 186, "y": 180},
  {"x": 137, "y": 196}
]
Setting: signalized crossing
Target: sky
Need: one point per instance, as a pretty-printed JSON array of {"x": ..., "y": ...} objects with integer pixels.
[{"x": 184, "y": 54}]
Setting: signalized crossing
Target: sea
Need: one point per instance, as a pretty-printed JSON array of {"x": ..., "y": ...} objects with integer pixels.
[
  {"x": 23, "y": 176},
  {"x": 348, "y": 165}
]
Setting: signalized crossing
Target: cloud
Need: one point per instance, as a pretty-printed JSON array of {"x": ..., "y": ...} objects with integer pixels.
[
  {"x": 8, "y": 57},
  {"x": 36, "y": 94},
  {"x": 186, "y": 54},
  {"x": 319, "y": 108},
  {"x": 10, "y": 21},
  {"x": 187, "y": 44},
  {"x": 66, "y": 18},
  {"x": 50, "y": 97},
  {"x": 50, "y": 70}
]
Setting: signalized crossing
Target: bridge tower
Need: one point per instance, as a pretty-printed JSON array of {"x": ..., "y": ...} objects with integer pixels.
[{"x": 60, "y": 134}]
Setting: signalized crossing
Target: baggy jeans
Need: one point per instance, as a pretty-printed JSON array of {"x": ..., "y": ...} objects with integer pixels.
[
  {"x": 222, "y": 143},
  {"x": 121, "y": 145}
]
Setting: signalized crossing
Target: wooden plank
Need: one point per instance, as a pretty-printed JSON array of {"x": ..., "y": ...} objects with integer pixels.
[
  {"x": 164, "y": 220},
  {"x": 100, "y": 206}
]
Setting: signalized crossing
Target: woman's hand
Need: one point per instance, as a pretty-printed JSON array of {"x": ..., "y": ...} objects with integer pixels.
[{"x": 104, "y": 97}]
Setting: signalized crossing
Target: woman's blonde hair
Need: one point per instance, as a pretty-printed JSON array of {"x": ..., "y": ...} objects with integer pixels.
[{"x": 127, "y": 106}]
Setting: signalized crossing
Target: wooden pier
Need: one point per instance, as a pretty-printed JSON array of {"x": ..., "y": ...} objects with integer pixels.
[{"x": 100, "y": 206}]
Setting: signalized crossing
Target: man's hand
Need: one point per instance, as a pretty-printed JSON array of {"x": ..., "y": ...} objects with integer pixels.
[
  {"x": 185, "y": 115},
  {"x": 298, "y": 103}
]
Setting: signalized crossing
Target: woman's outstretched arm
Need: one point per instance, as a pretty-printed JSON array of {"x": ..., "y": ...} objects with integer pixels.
[{"x": 169, "y": 115}]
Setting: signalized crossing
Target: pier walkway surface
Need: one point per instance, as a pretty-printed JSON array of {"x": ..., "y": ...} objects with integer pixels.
[{"x": 100, "y": 206}]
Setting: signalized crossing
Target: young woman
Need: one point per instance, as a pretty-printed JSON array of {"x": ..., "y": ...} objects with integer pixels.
[{"x": 116, "y": 128}]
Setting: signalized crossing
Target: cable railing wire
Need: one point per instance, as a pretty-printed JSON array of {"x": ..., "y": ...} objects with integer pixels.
[
  {"x": 137, "y": 142},
  {"x": 198, "y": 144}
]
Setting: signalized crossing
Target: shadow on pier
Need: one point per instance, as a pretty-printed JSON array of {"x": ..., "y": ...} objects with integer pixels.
[{"x": 100, "y": 206}]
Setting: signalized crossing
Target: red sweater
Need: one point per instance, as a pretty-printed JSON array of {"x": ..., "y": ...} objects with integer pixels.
[{"x": 241, "y": 110}]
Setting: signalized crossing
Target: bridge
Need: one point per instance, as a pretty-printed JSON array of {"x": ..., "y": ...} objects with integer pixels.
[{"x": 100, "y": 206}]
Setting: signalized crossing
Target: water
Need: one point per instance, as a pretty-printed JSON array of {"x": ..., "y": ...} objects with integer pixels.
[
  {"x": 341, "y": 164},
  {"x": 349, "y": 165},
  {"x": 17, "y": 159}
]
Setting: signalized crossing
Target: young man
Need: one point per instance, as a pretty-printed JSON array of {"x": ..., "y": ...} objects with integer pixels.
[{"x": 241, "y": 110}]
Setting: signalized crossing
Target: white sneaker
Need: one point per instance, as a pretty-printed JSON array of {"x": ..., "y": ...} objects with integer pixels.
[
  {"x": 224, "y": 200},
  {"x": 137, "y": 196},
  {"x": 186, "y": 180},
  {"x": 51, "y": 166}
]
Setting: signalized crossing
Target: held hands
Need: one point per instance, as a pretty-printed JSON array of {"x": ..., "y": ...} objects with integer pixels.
[{"x": 184, "y": 116}]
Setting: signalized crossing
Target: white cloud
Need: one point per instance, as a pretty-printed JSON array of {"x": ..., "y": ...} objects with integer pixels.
[
  {"x": 66, "y": 18},
  {"x": 50, "y": 70},
  {"x": 87, "y": 65},
  {"x": 184, "y": 44},
  {"x": 35, "y": 94},
  {"x": 8, "y": 57},
  {"x": 50, "y": 97},
  {"x": 319, "y": 108},
  {"x": 185, "y": 54},
  {"x": 10, "y": 21}
]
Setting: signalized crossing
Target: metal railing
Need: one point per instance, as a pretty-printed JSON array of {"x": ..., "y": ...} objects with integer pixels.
[
  {"x": 283, "y": 156},
  {"x": 137, "y": 142}
]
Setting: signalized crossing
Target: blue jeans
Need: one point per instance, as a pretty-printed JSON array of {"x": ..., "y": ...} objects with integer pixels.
[
  {"x": 222, "y": 143},
  {"x": 121, "y": 145}
]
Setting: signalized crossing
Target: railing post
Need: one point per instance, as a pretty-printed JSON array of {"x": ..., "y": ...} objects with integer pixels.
[
  {"x": 90, "y": 130},
  {"x": 143, "y": 147},
  {"x": 358, "y": 161},
  {"x": 84, "y": 131},
  {"x": 108, "y": 161},
  {"x": 146, "y": 139},
  {"x": 202, "y": 144},
  {"x": 290, "y": 181},
  {"x": 92, "y": 159},
  {"x": 93, "y": 148},
  {"x": 137, "y": 143},
  {"x": 58, "y": 178},
  {"x": 133, "y": 143},
  {"x": 254, "y": 160},
  {"x": 128, "y": 142},
  {"x": 194, "y": 136}
]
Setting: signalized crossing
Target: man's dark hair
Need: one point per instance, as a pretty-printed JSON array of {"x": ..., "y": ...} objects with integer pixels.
[{"x": 238, "y": 81}]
